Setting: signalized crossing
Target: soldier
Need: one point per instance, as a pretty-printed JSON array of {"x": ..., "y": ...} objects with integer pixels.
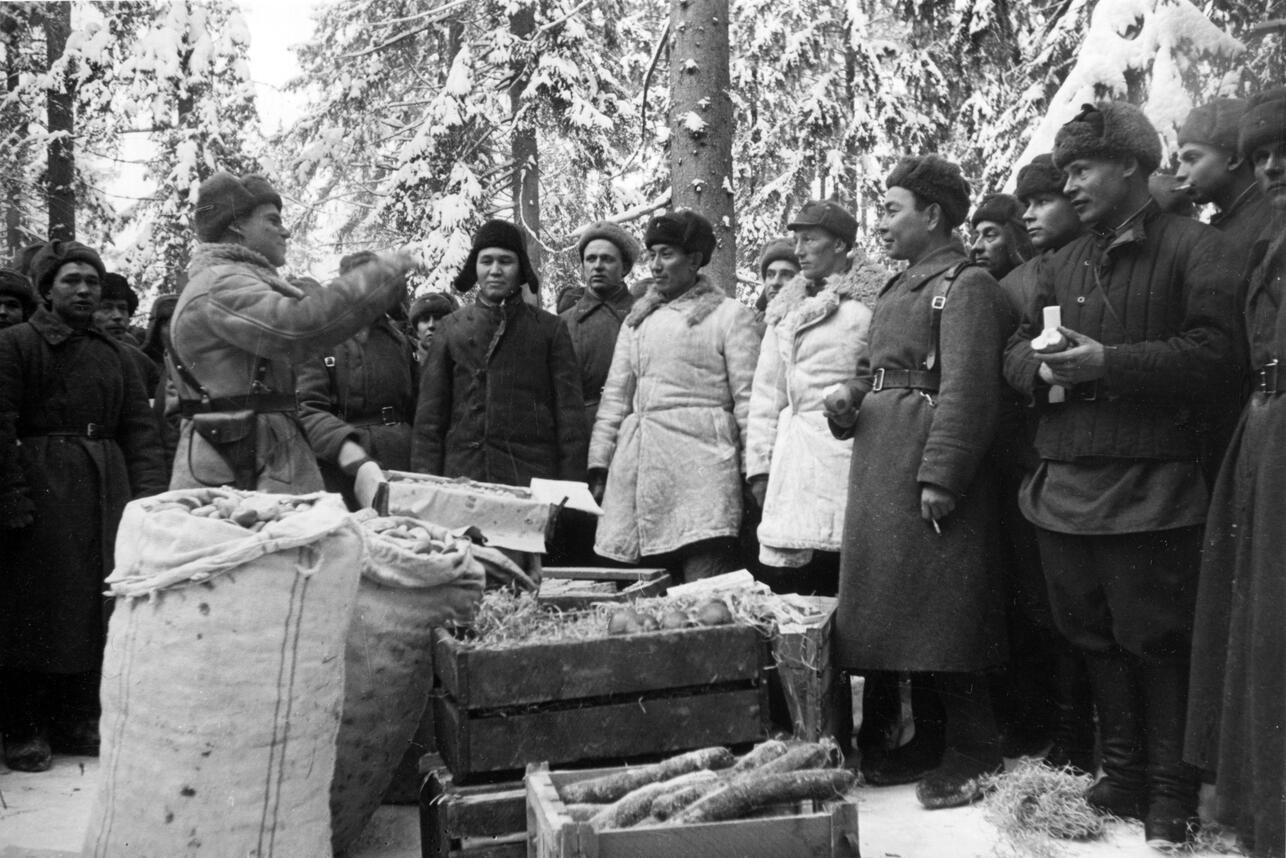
[
  {"x": 778, "y": 265},
  {"x": 1000, "y": 240},
  {"x": 77, "y": 442},
  {"x": 17, "y": 300},
  {"x": 919, "y": 587},
  {"x": 237, "y": 330},
  {"x": 1150, "y": 329},
  {"x": 1213, "y": 170}
]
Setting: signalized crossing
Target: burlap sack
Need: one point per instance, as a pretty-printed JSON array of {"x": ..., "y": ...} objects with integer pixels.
[
  {"x": 221, "y": 690},
  {"x": 404, "y": 594}
]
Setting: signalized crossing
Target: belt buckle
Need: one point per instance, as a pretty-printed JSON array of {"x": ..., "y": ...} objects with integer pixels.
[
  {"x": 877, "y": 382},
  {"x": 93, "y": 431},
  {"x": 387, "y": 415},
  {"x": 1267, "y": 382}
]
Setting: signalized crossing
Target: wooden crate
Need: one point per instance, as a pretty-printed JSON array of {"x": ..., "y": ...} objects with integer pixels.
[
  {"x": 578, "y": 587},
  {"x": 820, "y": 829},
  {"x": 608, "y": 698},
  {"x": 486, "y": 821},
  {"x": 802, "y": 656}
]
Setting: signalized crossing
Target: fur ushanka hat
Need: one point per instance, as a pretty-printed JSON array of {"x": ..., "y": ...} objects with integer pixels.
[
  {"x": 502, "y": 234},
  {"x": 685, "y": 229},
  {"x": 16, "y": 285},
  {"x": 1264, "y": 121},
  {"x": 627, "y": 244},
  {"x": 936, "y": 180},
  {"x": 56, "y": 254},
  {"x": 1039, "y": 177},
  {"x": 223, "y": 198},
  {"x": 1215, "y": 123},
  {"x": 1109, "y": 129}
]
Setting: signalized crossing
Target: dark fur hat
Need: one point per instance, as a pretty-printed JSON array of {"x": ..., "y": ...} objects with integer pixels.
[
  {"x": 435, "y": 304},
  {"x": 998, "y": 208},
  {"x": 1214, "y": 123},
  {"x": 777, "y": 250},
  {"x": 685, "y": 229},
  {"x": 627, "y": 244},
  {"x": 1264, "y": 121},
  {"x": 56, "y": 254},
  {"x": 1039, "y": 177},
  {"x": 1109, "y": 129},
  {"x": 502, "y": 234},
  {"x": 936, "y": 180},
  {"x": 16, "y": 285},
  {"x": 223, "y": 198},
  {"x": 117, "y": 288}
]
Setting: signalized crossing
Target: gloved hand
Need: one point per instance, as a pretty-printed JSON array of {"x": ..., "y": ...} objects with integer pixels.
[
  {"x": 367, "y": 481},
  {"x": 841, "y": 401},
  {"x": 597, "y": 482}
]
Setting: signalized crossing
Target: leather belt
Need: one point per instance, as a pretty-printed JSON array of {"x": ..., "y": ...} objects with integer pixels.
[
  {"x": 918, "y": 379},
  {"x": 1267, "y": 379},
  {"x": 260, "y": 403},
  {"x": 387, "y": 416},
  {"x": 92, "y": 431}
]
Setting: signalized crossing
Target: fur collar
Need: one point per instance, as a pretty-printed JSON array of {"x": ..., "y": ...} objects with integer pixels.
[
  {"x": 209, "y": 254},
  {"x": 696, "y": 303},
  {"x": 794, "y": 308}
]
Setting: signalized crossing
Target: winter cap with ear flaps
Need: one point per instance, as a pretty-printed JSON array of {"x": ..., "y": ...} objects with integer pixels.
[
  {"x": 16, "y": 285},
  {"x": 1039, "y": 177},
  {"x": 223, "y": 198},
  {"x": 936, "y": 180},
  {"x": 1214, "y": 123},
  {"x": 504, "y": 235},
  {"x": 1264, "y": 121},
  {"x": 117, "y": 288},
  {"x": 1109, "y": 129},
  {"x": 435, "y": 304},
  {"x": 684, "y": 229},
  {"x": 998, "y": 208},
  {"x": 56, "y": 254},
  {"x": 627, "y": 244},
  {"x": 777, "y": 250}
]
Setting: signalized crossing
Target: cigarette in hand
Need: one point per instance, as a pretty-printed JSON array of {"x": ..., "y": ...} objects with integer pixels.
[{"x": 936, "y": 529}]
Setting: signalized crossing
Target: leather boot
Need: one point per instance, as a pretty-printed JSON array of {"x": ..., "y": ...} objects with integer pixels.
[
  {"x": 1172, "y": 784},
  {"x": 1073, "y": 715},
  {"x": 921, "y": 755},
  {"x": 22, "y": 722},
  {"x": 1122, "y": 791}
]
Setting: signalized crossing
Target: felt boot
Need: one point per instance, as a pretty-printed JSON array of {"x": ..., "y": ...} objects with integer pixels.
[
  {"x": 912, "y": 761},
  {"x": 972, "y": 743}
]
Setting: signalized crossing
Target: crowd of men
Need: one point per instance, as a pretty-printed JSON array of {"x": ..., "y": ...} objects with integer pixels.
[{"x": 1037, "y": 471}]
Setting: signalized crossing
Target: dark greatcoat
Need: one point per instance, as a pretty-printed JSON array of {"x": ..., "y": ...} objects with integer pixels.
[
  {"x": 1237, "y": 700},
  {"x": 500, "y": 398},
  {"x": 373, "y": 371},
  {"x": 54, "y": 379},
  {"x": 909, "y": 598},
  {"x": 594, "y": 324}
]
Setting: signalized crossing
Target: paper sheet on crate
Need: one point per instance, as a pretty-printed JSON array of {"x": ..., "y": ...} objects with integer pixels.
[
  {"x": 508, "y": 516},
  {"x": 568, "y": 493},
  {"x": 740, "y": 581}
]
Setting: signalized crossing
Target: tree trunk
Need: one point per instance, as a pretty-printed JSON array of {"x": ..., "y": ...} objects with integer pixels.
[
  {"x": 526, "y": 175},
  {"x": 701, "y": 125},
  {"x": 59, "y": 105},
  {"x": 12, "y": 119}
]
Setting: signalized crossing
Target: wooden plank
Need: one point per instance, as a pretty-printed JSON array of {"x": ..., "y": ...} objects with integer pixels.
[
  {"x": 493, "y": 814},
  {"x": 802, "y": 654},
  {"x": 474, "y": 745},
  {"x": 433, "y": 840},
  {"x": 625, "y": 664},
  {"x": 603, "y": 573},
  {"x": 508, "y": 849}
]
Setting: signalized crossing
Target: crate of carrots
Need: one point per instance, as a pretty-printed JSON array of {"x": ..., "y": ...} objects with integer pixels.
[{"x": 780, "y": 798}]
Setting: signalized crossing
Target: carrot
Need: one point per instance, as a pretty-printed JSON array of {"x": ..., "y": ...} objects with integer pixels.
[
  {"x": 582, "y": 812},
  {"x": 745, "y": 795},
  {"x": 614, "y": 786},
  {"x": 637, "y": 804},
  {"x": 806, "y": 755},
  {"x": 760, "y": 754},
  {"x": 670, "y": 803}
]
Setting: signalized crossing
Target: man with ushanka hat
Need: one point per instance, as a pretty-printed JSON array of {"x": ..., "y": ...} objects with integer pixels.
[
  {"x": 1213, "y": 170},
  {"x": 77, "y": 442},
  {"x": 667, "y": 455},
  {"x": 500, "y": 395},
  {"x": 1000, "y": 240},
  {"x": 1042, "y": 697},
  {"x": 236, "y": 333},
  {"x": 423, "y": 317},
  {"x": 1237, "y": 703},
  {"x": 919, "y": 589},
  {"x": 607, "y": 255},
  {"x": 1150, "y": 339},
  {"x": 17, "y": 298}
]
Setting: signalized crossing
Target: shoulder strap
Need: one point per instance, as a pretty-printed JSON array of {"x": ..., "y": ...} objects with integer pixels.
[
  {"x": 257, "y": 385},
  {"x": 938, "y": 302}
]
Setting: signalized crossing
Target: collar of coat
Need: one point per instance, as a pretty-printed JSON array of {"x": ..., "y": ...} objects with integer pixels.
[
  {"x": 55, "y": 331},
  {"x": 1133, "y": 231},
  {"x": 209, "y": 254},
  {"x": 925, "y": 269},
  {"x": 1251, "y": 192},
  {"x": 793, "y": 308},
  {"x": 618, "y": 303},
  {"x": 696, "y": 303}
]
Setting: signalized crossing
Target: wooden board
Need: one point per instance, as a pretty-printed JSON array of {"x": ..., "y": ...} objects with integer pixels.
[
  {"x": 829, "y": 831},
  {"x": 568, "y": 670},
  {"x": 472, "y": 822},
  {"x": 559, "y": 585},
  {"x": 473, "y": 743},
  {"x": 802, "y": 655}
]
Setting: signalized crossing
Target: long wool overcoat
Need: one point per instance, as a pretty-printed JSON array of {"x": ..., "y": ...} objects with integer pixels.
[
  {"x": 672, "y": 423},
  {"x": 910, "y": 598},
  {"x": 500, "y": 398},
  {"x": 811, "y": 343},
  {"x": 236, "y": 311},
  {"x": 52, "y": 380},
  {"x": 1237, "y": 701}
]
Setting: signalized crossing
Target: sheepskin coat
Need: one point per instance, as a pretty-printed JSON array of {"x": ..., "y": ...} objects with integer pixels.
[
  {"x": 811, "y": 343},
  {"x": 672, "y": 423}
]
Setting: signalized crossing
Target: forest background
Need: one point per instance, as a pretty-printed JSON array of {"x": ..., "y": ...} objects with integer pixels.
[{"x": 418, "y": 120}]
